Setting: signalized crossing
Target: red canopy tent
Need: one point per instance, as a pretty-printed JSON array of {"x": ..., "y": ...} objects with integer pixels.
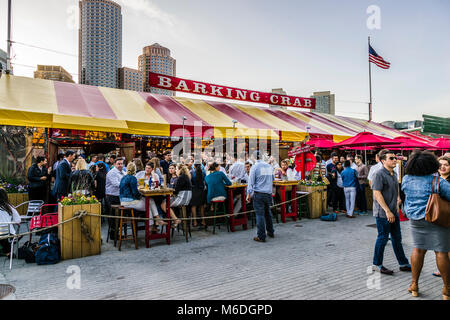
[
  {"x": 321, "y": 143},
  {"x": 366, "y": 139},
  {"x": 441, "y": 143},
  {"x": 407, "y": 143}
]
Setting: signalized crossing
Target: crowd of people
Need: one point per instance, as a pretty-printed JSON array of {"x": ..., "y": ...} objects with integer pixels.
[{"x": 199, "y": 181}]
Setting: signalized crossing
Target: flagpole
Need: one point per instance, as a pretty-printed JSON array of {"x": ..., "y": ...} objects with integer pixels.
[{"x": 370, "y": 88}]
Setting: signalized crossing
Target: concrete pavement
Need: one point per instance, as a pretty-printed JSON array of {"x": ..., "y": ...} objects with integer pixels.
[{"x": 307, "y": 259}]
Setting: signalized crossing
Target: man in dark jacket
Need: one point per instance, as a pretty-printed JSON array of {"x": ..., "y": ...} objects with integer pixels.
[
  {"x": 63, "y": 172},
  {"x": 166, "y": 162},
  {"x": 38, "y": 178}
]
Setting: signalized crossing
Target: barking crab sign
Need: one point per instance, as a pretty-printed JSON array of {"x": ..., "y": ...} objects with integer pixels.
[{"x": 189, "y": 86}]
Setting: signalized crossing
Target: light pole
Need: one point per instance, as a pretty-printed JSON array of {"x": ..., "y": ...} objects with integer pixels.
[
  {"x": 8, "y": 44},
  {"x": 183, "y": 118},
  {"x": 234, "y": 141}
]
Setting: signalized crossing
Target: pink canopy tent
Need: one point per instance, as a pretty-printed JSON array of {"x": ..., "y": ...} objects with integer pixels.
[
  {"x": 321, "y": 143},
  {"x": 407, "y": 143},
  {"x": 441, "y": 143},
  {"x": 366, "y": 139}
]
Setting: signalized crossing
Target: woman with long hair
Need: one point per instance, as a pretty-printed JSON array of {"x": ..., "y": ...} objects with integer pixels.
[
  {"x": 182, "y": 194},
  {"x": 172, "y": 176},
  {"x": 157, "y": 167},
  {"x": 81, "y": 180},
  {"x": 198, "y": 193},
  {"x": 421, "y": 176},
  {"x": 139, "y": 165},
  {"x": 7, "y": 214},
  {"x": 130, "y": 197}
]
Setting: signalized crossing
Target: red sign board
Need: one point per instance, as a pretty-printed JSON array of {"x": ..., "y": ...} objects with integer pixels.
[
  {"x": 189, "y": 86},
  {"x": 299, "y": 150}
]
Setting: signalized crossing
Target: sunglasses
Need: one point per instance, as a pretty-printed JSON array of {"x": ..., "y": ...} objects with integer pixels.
[{"x": 392, "y": 158}]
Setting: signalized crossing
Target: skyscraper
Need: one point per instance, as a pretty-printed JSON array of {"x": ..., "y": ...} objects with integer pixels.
[
  {"x": 156, "y": 58},
  {"x": 100, "y": 43}
]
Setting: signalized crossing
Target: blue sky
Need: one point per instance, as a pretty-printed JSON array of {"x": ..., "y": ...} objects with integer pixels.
[{"x": 301, "y": 46}]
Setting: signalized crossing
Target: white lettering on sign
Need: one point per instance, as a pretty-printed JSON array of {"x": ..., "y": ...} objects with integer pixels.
[
  {"x": 164, "y": 82},
  {"x": 200, "y": 86},
  {"x": 229, "y": 93},
  {"x": 182, "y": 86},
  {"x": 216, "y": 91},
  {"x": 254, "y": 96},
  {"x": 241, "y": 94},
  {"x": 308, "y": 103},
  {"x": 297, "y": 102},
  {"x": 285, "y": 100},
  {"x": 272, "y": 99}
]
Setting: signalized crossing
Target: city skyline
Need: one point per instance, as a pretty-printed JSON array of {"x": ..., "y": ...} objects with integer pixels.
[{"x": 305, "y": 48}]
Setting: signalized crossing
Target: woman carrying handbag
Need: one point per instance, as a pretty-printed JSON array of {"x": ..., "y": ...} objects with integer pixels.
[{"x": 419, "y": 184}]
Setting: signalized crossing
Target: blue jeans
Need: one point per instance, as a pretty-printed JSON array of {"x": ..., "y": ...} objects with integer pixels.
[
  {"x": 261, "y": 204},
  {"x": 361, "y": 201},
  {"x": 350, "y": 196},
  {"x": 384, "y": 229}
]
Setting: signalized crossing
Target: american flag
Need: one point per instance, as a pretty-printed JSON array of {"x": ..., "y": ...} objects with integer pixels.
[{"x": 378, "y": 60}]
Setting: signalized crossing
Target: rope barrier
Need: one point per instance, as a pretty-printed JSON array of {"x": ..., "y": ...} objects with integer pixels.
[{"x": 84, "y": 228}]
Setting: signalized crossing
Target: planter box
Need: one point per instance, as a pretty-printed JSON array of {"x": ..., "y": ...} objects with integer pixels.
[
  {"x": 17, "y": 198},
  {"x": 317, "y": 201},
  {"x": 73, "y": 242}
]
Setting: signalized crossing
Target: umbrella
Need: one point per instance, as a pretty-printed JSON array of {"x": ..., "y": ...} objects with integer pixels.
[
  {"x": 321, "y": 143},
  {"x": 408, "y": 143},
  {"x": 441, "y": 143},
  {"x": 366, "y": 139}
]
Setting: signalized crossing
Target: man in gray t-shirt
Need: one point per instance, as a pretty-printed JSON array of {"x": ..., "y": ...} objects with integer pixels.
[
  {"x": 385, "y": 210},
  {"x": 387, "y": 184}
]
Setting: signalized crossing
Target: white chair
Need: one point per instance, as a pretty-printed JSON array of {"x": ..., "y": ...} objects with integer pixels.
[
  {"x": 5, "y": 231},
  {"x": 34, "y": 207}
]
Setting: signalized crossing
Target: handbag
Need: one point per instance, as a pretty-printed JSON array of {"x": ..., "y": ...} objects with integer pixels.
[{"x": 438, "y": 209}]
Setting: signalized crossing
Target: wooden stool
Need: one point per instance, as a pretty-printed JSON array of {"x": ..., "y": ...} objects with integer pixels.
[
  {"x": 133, "y": 224},
  {"x": 216, "y": 212}
]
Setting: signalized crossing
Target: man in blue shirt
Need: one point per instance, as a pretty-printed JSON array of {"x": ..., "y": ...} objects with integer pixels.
[
  {"x": 350, "y": 182},
  {"x": 259, "y": 188}
]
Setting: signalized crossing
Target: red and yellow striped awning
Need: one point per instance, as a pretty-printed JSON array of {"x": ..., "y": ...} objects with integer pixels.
[{"x": 54, "y": 104}]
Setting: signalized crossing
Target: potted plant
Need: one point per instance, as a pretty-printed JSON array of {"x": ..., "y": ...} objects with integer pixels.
[
  {"x": 17, "y": 193},
  {"x": 80, "y": 237}
]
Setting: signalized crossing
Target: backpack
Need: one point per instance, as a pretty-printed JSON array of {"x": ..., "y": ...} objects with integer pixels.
[
  {"x": 27, "y": 252},
  {"x": 329, "y": 217},
  {"x": 48, "y": 252}
]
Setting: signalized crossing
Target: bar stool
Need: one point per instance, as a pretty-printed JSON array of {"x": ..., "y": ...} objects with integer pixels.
[
  {"x": 123, "y": 214},
  {"x": 216, "y": 204}
]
